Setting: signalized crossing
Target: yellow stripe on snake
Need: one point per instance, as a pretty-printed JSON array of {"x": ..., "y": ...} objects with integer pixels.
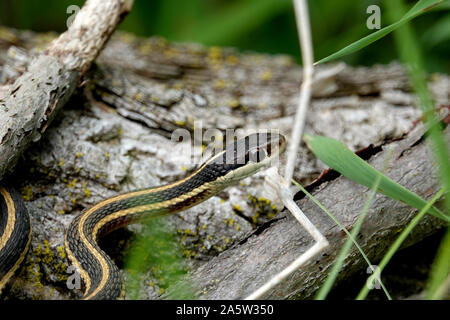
[{"x": 101, "y": 277}]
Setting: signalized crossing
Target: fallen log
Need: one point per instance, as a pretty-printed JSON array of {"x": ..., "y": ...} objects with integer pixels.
[
  {"x": 33, "y": 100},
  {"x": 241, "y": 270},
  {"x": 114, "y": 135}
]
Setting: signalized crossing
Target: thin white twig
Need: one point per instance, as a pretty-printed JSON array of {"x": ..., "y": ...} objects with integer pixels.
[
  {"x": 276, "y": 182},
  {"x": 304, "y": 31},
  {"x": 280, "y": 185}
]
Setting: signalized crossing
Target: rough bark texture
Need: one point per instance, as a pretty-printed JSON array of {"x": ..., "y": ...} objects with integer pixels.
[
  {"x": 114, "y": 134},
  {"x": 33, "y": 100},
  {"x": 239, "y": 271}
]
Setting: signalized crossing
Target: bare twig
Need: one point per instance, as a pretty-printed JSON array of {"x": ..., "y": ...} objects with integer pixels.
[
  {"x": 274, "y": 179},
  {"x": 302, "y": 17},
  {"x": 52, "y": 77}
]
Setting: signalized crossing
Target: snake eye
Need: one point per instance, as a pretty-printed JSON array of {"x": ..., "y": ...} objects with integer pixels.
[{"x": 256, "y": 155}]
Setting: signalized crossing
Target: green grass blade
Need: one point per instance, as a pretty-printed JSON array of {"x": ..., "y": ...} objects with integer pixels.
[
  {"x": 443, "y": 7},
  {"x": 411, "y": 55},
  {"x": 398, "y": 242},
  {"x": 325, "y": 289},
  {"x": 440, "y": 270},
  {"x": 420, "y": 7},
  {"x": 332, "y": 276},
  {"x": 156, "y": 249},
  {"x": 438, "y": 33},
  {"x": 337, "y": 156}
]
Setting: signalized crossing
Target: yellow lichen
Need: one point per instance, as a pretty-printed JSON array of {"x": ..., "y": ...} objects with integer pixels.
[
  {"x": 215, "y": 53},
  {"x": 72, "y": 184},
  {"x": 61, "y": 252},
  {"x": 170, "y": 52},
  {"x": 232, "y": 60},
  {"x": 178, "y": 85},
  {"x": 233, "y": 103},
  {"x": 237, "y": 207},
  {"x": 35, "y": 275},
  {"x": 87, "y": 192},
  {"x": 219, "y": 84},
  {"x": 145, "y": 48},
  {"x": 266, "y": 75},
  {"x": 263, "y": 207},
  {"x": 27, "y": 193}
]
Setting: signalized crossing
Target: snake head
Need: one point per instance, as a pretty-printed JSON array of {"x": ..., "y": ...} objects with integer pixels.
[{"x": 244, "y": 157}]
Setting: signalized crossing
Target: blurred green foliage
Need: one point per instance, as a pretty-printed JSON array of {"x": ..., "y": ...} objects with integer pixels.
[
  {"x": 258, "y": 25},
  {"x": 156, "y": 251}
]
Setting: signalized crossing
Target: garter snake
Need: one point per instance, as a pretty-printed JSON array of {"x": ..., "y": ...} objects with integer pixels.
[{"x": 101, "y": 277}]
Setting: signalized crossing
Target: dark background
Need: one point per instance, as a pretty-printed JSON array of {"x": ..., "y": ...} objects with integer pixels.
[{"x": 258, "y": 25}]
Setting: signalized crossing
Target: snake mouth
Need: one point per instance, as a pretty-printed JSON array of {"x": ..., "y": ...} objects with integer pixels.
[
  {"x": 252, "y": 154},
  {"x": 275, "y": 146},
  {"x": 274, "y": 150},
  {"x": 277, "y": 149}
]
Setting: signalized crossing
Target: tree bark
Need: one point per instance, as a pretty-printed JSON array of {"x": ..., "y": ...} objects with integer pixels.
[
  {"x": 241, "y": 270},
  {"x": 51, "y": 78},
  {"x": 114, "y": 135}
]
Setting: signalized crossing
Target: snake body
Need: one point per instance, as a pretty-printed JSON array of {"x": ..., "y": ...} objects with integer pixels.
[
  {"x": 101, "y": 277},
  {"x": 15, "y": 233}
]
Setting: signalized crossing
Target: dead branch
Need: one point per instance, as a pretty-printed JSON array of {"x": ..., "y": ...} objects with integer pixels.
[
  {"x": 35, "y": 97},
  {"x": 114, "y": 136}
]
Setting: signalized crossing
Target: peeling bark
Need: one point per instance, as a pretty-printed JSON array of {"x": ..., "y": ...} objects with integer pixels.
[
  {"x": 53, "y": 76},
  {"x": 114, "y": 136}
]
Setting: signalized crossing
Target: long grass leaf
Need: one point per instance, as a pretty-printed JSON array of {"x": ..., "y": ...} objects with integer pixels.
[
  {"x": 411, "y": 55},
  {"x": 440, "y": 269},
  {"x": 323, "y": 292},
  {"x": 156, "y": 249},
  {"x": 419, "y": 8},
  {"x": 337, "y": 156},
  {"x": 397, "y": 243},
  {"x": 438, "y": 33}
]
